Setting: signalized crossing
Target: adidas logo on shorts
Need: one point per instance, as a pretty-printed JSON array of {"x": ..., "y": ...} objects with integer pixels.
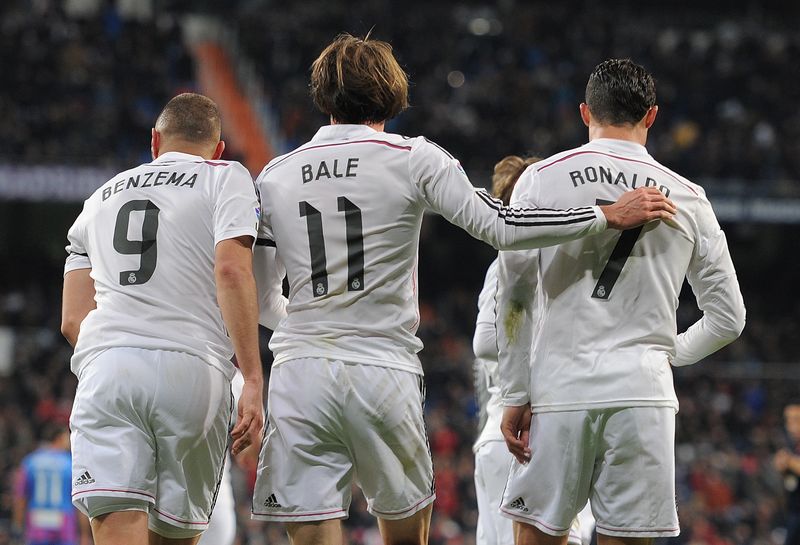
[
  {"x": 272, "y": 502},
  {"x": 519, "y": 504},
  {"x": 84, "y": 479}
]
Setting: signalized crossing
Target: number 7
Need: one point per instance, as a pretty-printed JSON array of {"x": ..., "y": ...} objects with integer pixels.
[{"x": 619, "y": 255}]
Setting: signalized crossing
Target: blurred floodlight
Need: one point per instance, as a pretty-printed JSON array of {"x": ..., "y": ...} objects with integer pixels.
[
  {"x": 455, "y": 79},
  {"x": 480, "y": 26}
]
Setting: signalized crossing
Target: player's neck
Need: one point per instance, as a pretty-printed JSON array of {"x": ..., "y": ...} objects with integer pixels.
[
  {"x": 374, "y": 126},
  {"x": 186, "y": 147},
  {"x": 635, "y": 134}
]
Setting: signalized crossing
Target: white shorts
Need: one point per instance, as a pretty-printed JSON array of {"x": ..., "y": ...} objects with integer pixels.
[
  {"x": 621, "y": 459},
  {"x": 331, "y": 423},
  {"x": 492, "y": 463},
  {"x": 149, "y": 432}
]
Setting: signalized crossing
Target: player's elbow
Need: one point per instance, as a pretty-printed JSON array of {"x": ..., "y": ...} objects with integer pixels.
[
  {"x": 70, "y": 326},
  {"x": 233, "y": 272},
  {"x": 730, "y": 327}
]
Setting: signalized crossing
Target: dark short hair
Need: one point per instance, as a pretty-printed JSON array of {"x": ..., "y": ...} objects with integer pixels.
[
  {"x": 506, "y": 173},
  {"x": 620, "y": 92},
  {"x": 357, "y": 80},
  {"x": 190, "y": 117}
]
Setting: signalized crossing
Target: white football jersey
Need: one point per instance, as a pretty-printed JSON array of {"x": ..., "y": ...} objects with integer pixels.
[
  {"x": 484, "y": 344},
  {"x": 345, "y": 210},
  {"x": 591, "y": 323},
  {"x": 149, "y": 236}
]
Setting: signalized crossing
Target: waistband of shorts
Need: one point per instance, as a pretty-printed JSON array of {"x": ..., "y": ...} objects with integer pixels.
[{"x": 350, "y": 360}]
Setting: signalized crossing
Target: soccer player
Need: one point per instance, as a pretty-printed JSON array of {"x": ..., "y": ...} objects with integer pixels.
[
  {"x": 43, "y": 510},
  {"x": 587, "y": 330},
  {"x": 492, "y": 458},
  {"x": 158, "y": 295},
  {"x": 787, "y": 462},
  {"x": 344, "y": 211}
]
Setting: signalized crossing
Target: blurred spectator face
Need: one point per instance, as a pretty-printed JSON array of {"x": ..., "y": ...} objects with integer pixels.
[{"x": 792, "y": 416}]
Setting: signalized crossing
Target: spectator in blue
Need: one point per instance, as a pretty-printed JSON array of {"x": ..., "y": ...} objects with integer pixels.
[{"x": 43, "y": 510}]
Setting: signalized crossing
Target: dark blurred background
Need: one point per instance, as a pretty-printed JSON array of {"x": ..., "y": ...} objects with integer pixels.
[{"x": 83, "y": 80}]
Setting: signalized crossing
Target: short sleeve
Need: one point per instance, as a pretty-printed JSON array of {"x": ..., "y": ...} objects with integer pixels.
[
  {"x": 237, "y": 211},
  {"x": 77, "y": 253},
  {"x": 265, "y": 234}
]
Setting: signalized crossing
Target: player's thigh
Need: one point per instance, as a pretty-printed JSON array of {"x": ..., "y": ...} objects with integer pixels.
[
  {"x": 113, "y": 448},
  {"x": 634, "y": 489},
  {"x": 492, "y": 464},
  {"x": 548, "y": 492},
  {"x": 191, "y": 418},
  {"x": 386, "y": 433},
  {"x": 411, "y": 530},
  {"x": 305, "y": 470}
]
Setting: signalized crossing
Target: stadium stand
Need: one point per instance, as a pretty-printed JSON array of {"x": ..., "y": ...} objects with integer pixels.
[{"x": 82, "y": 89}]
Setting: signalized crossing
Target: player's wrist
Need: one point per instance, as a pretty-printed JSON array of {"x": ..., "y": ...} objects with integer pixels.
[
  {"x": 613, "y": 219},
  {"x": 253, "y": 378}
]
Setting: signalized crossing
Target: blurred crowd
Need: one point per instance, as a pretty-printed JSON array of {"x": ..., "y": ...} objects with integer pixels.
[
  {"x": 492, "y": 78},
  {"x": 488, "y": 79},
  {"x": 84, "y": 88}
]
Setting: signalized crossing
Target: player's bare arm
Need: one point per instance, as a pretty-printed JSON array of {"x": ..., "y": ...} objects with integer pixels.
[
  {"x": 77, "y": 302},
  {"x": 636, "y": 207},
  {"x": 236, "y": 294},
  {"x": 516, "y": 428}
]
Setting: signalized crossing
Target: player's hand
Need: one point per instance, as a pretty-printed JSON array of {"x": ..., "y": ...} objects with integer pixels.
[
  {"x": 250, "y": 424},
  {"x": 516, "y": 428},
  {"x": 637, "y": 207}
]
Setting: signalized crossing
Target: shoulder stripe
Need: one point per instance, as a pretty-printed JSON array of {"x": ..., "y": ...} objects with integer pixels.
[
  {"x": 265, "y": 242},
  {"x": 505, "y": 212},
  {"x": 319, "y": 146},
  {"x": 440, "y": 147},
  {"x": 668, "y": 173}
]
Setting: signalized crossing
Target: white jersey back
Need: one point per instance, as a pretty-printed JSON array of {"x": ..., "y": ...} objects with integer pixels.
[
  {"x": 484, "y": 344},
  {"x": 345, "y": 211},
  {"x": 149, "y": 237},
  {"x": 605, "y": 314}
]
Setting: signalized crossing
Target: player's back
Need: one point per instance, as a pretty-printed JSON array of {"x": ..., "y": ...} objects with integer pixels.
[
  {"x": 150, "y": 235},
  {"x": 607, "y": 324},
  {"x": 345, "y": 218},
  {"x": 47, "y": 487}
]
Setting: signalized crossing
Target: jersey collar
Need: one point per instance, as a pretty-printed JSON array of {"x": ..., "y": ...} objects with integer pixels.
[
  {"x": 621, "y": 147},
  {"x": 343, "y": 132},
  {"x": 176, "y": 156}
]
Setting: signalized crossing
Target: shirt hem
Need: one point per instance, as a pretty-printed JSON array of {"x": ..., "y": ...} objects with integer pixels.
[
  {"x": 233, "y": 233},
  {"x": 620, "y": 403}
]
